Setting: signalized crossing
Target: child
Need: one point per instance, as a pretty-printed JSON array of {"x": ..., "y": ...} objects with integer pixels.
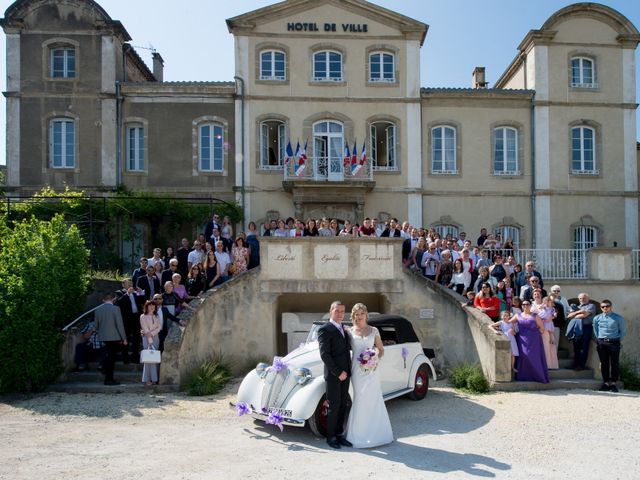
[
  {"x": 471, "y": 296},
  {"x": 516, "y": 306},
  {"x": 508, "y": 329}
]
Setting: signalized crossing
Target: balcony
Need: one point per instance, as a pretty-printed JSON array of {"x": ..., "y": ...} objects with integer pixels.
[{"x": 328, "y": 169}]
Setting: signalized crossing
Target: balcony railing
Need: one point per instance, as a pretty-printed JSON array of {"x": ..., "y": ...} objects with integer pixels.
[
  {"x": 323, "y": 169},
  {"x": 554, "y": 263}
]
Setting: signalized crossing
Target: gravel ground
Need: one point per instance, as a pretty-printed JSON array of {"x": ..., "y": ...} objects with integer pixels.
[{"x": 552, "y": 434}]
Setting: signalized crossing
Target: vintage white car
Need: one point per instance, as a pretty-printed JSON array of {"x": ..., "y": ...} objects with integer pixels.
[{"x": 294, "y": 386}]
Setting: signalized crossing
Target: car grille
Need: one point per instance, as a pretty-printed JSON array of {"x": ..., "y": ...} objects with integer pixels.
[{"x": 277, "y": 387}]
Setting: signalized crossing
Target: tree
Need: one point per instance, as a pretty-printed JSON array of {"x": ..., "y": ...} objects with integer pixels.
[{"x": 43, "y": 283}]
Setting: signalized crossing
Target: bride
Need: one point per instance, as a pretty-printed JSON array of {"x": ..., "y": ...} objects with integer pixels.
[{"x": 368, "y": 424}]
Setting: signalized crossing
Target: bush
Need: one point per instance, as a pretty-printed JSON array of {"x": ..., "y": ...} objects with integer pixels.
[
  {"x": 460, "y": 374},
  {"x": 469, "y": 378},
  {"x": 629, "y": 373},
  {"x": 209, "y": 378},
  {"x": 43, "y": 282}
]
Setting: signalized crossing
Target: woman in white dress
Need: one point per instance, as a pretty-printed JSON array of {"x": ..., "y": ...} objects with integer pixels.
[{"x": 368, "y": 424}]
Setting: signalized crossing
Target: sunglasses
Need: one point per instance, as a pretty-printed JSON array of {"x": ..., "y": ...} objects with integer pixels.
[{"x": 605, "y": 306}]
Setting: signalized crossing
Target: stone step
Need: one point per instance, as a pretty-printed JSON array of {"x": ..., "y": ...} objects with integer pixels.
[
  {"x": 96, "y": 376},
  {"x": 99, "y": 387},
  {"x": 565, "y": 362},
  {"x": 556, "y": 384},
  {"x": 564, "y": 354},
  {"x": 570, "y": 374},
  {"x": 118, "y": 367}
]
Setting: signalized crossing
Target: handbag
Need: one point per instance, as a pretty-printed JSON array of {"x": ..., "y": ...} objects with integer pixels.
[
  {"x": 150, "y": 355},
  {"x": 232, "y": 269}
]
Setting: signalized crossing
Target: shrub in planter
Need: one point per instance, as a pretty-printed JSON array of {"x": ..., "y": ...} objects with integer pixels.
[{"x": 209, "y": 378}]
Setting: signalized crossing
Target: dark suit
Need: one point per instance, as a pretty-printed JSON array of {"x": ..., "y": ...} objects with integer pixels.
[
  {"x": 388, "y": 233},
  {"x": 335, "y": 353},
  {"x": 208, "y": 231},
  {"x": 131, "y": 321},
  {"x": 143, "y": 283},
  {"x": 167, "y": 276},
  {"x": 407, "y": 247},
  {"x": 165, "y": 315},
  {"x": 110, "y": 328}
]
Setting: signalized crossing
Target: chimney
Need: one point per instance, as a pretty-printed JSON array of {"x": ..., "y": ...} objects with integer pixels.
[
  {"x": 478, "y": 78},
  {"x": 158, "y": 66}
]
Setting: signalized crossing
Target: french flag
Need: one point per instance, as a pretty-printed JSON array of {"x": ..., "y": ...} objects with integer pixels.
[
  {"x": 354, "y": 155},
  {"x": 347, "y": 155},
  {"x": 288, "y": 153},
  {"x": 363, "y": 159},
  {"x": 301, "y": 156}
]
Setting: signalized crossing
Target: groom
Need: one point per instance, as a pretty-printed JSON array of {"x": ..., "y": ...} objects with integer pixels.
[{"x": 335, "y": 353}]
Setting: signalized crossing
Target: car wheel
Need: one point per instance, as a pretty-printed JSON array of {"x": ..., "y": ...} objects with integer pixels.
[
  {"x": 318, "y": 421},
  {"x": 420, "y": 383}
]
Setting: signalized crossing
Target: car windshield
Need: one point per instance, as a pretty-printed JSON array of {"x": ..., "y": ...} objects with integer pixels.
[{"x": 313, "y": 333}]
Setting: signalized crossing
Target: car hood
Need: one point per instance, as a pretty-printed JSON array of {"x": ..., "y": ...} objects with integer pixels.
[{"x": 306, "y": 355}]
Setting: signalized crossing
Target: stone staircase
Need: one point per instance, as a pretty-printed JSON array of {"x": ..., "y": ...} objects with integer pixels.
[
  {"x": 563, "y": 378},
  {"x": 92, "y": 381}
]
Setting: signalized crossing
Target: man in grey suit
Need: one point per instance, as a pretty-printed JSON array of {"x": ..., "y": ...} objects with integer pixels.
[{"x": 110, "y": 328}]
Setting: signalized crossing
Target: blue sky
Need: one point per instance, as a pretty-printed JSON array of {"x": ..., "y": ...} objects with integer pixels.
[{"x": 192, "y": 36}]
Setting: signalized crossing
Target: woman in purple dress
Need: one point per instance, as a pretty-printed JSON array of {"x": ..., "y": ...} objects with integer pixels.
[{"x": 532, "y": 363}]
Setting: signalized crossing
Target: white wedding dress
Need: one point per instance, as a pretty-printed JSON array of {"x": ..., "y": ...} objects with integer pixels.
[{"x": 368, "y": 424}]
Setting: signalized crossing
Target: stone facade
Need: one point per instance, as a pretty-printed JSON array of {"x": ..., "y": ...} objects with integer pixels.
[{"x": 546, "y": 154}]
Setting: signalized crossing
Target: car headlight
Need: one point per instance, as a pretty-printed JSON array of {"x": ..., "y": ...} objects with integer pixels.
[
  {"x": 261, "y": 369},
  {"x": 302, "y": 375}
]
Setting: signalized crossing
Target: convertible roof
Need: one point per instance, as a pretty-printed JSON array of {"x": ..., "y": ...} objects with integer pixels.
[{"x": 403, "y": 327}]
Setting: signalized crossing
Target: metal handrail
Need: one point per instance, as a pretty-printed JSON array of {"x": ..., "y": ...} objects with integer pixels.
[{"x": 81, "y": 316}]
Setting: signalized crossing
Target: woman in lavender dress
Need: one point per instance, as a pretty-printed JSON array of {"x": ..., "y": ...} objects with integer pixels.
[{"x": 532, "y": 363}]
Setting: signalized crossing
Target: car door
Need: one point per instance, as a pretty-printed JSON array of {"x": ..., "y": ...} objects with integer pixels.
[{"x": 393, "y": 374}]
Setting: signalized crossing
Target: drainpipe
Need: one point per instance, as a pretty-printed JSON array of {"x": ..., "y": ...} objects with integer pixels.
[
  {"x": 118, "y": 134},
  {"x": 242, "y": 194},
  {"x": 533, "y": 157},
  {"x": 533, "y": 173}
]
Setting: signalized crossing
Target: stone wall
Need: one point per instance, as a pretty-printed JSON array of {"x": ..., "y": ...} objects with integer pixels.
[{"x": 242, "y": 319}]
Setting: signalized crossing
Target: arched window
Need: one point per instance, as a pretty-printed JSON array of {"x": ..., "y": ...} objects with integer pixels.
[
  {"x": 505, "y": 151},
  {"x": 583, "y": 150},
  {"x": 443, "y": 150},
  {"x": 272, "y": 144},
  {"x": 583, "y": 73},
  {"x": 135, "y": 147},
  {"x": 272, "y": 65},
  {"x": 444, "y": 230},
  {"x": 63, "y": 62},
  {"x": 327, "y": 66},
  {"x": 328, "y": 148},
  {"x": 383, "y": 145},
  {"x": 211, "y": 147},
  {"x": 382, "y": 67},
  {"x": 508, "y": 232},
  {"x": 585, "y": 237},
  {"x": 62, "y": 143}
]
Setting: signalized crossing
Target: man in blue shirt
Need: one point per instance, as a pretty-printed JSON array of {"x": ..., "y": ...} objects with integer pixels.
[
  {"x": 585, "y": 312},
  {"x": 609, "y": 328}
]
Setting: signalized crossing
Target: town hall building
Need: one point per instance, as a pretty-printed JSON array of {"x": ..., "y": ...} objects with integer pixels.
[{"x": 325, "y": 116}]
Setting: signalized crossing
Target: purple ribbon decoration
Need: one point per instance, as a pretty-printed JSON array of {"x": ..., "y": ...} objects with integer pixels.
[
  {"x": 242, "y": 409},
  {"x": 276, "y": 419},
  {"x": 278, "y": 364},
  {"x": 405, "y": 354}
]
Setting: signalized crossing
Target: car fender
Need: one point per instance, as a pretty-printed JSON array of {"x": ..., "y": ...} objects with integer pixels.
[
  {"x": 417, "y": 361},
  {"x": 250, "y": 389},
  {"x": 304, "y": 400}
]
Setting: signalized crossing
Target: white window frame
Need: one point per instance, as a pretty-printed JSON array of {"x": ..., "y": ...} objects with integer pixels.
[
  {"x": 444, "y": 229},
  {"x": 279, "y": 147},
  {"x": 379, "y": 57},
  {"x": 501, "y": 134},
  {"x": 273, "y": 75},
  {"x": 585, "y": 237},
  {"x": 327, "y": 64},
  {"x": 136, "y": 147},
  {"x": 582, "y": 80},
  {"x": 443, "y": 170},
  {"x": 509, "y": 231},
  {"x": 581, "y": 152},
  {"x": 390, "y": 133},
  {"x": 328, "y": 149},
  {"x": 216, "y": 163},
  {"x": 67, "y": 54},
  {"x": 67, "y": 149}
]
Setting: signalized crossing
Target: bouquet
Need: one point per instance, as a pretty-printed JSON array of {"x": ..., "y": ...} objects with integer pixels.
[{"x": 368, "y": 360}]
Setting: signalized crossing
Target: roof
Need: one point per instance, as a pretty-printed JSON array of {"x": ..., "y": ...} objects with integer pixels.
[
  {"x": 403, "y": 327},
  {"x": 402, "y": 22}
]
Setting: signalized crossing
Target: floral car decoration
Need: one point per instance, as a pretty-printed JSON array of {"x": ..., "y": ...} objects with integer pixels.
[{"x": 291, "y": 391}]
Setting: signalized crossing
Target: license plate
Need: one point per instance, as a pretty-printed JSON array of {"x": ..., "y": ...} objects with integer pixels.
[{"x": 281, "y": 411}]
